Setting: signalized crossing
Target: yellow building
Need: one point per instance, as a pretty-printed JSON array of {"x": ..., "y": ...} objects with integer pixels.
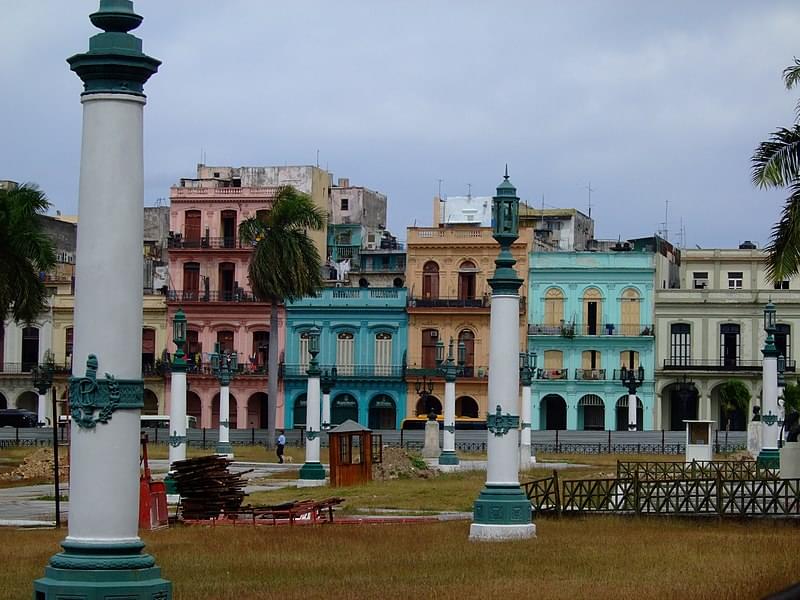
[
  {"x": 449, "y": 297},
  {"x": 154, "y": 342}
]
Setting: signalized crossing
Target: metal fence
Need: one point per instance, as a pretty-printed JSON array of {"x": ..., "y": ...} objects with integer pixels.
[{"x": 668, "y": 470}]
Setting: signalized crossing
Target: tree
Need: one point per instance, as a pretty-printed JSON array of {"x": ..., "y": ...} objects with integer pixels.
[
  {"x": 733, "y": 396},
  {"x": 776, "y": 164},
  {"x": 285, "y": 265},
  {"x": 25, "y": 252},
  {"x": 791, "y": 397}
]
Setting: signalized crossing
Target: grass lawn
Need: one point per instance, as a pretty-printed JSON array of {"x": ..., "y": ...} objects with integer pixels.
[{"x": 598, "y": 558}]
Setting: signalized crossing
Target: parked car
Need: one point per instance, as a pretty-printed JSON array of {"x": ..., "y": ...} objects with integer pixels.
[{"x": 18, "y": 417}]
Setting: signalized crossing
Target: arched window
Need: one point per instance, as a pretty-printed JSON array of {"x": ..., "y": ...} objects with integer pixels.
[
  {"x": 467, "y": 407},
  {"x": 30, "y": 348},
  {"x": 430, "y": 280},
  {"x": 783, "y": 340},
  {"x": 590, "y": 365},
  {"x": 299, "y": 411},
  {"x": 592, "y": 311},
  {"x": 228, "y": 228},
  {"x": 345, "y": 353},
  {"x": 68, "y": 337},
  {"x": 729, "y": 344},
  {"x": 466, "y": 280},
  {"x": 191, "y": 281},
  {"x": 622, "y": 414},
  {"x": 630, "y": 313},
  {"x": 192, "y": 229},
  {"x": 227, "y": 281},
  {"x": 553, "y": 412},
  {"x": 260, "y": 353},
  {"x": 428, "y": 404},
  {"x": 680, "y": 344},
  {"x": 383, "y": 354},
  {"x": 148, "y": 351},
  {"x": 429, "y": 339},
  {"x": 303, "y": 356},
  {"x": 553, "y": 307},
  {"x": 629, "y": 359},
  {"x": 398, "y": 282},
  {"x": 225, "y": 341},
  {"x": 591, "y": 413},
  {"x": 344, "y": 407},
  {"x": 553, "y": 365},
  {"x": 193, "y": 345},
  {"x": 363, "y": 283},
  {"x": 467, "y": 338},
  {"x": 382, "y": 413}
]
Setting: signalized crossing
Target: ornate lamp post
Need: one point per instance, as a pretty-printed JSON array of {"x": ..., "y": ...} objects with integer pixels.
[
  {"x": 632, "y": 379},
  {"x": 781, "y": 402},
  {"x": 450, "y": 371},
  {"x": 327, "y": 382},
  {"x": 42, "y": 382},
  {"x": 502, "y": 511},
  {"x": 223, "y": 365},
  {"x": 768, "y": 457},
  {"x": 312, "y": 473},
  {"x": 424, "y": 388},
  {"x": 102, "y": 555},
  {"x": 527, "y": 367},
  {"x": 177, "y": 403}
]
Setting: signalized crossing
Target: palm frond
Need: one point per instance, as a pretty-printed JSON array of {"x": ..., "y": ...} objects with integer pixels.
[
  {"x": 252, "y": 230},
  {"x": 791, "y": 74},
  {"x": 776, "y": 162},
  {"x": 295, "y": 210},
  {"x": 783, "y": 259}
]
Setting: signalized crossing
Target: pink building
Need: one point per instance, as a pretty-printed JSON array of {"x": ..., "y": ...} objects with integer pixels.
[{"x": 208, "y": 279}]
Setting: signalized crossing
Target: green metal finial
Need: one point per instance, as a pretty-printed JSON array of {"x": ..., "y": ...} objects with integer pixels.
[
  {"x": 115, "y": 63},
  {"x": 505, "y": 229},
  {"x": 506, "y": 175}
]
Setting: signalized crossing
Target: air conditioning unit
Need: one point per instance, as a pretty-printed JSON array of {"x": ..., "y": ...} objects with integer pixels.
[{"x": 371, "y": 245}]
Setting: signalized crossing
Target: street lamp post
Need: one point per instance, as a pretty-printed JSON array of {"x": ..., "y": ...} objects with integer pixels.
[
  {"x": 424, "y": 389},
  {"x": 527, "y": 367},
  {"x": 502, "y": 510},
  {"x": 769, "y": 457},
  {"x": 632, "y": 379},
  {"x": 103, "y": 556},
  {"x": 312, "y": 473},
  {"x": 177, "y": 402},
  {"x": 42, "y": 381},
  {"x": 448, "y": 368},
  {"x": 327, "y": 382},
  {"x": 223, "y": 365}
]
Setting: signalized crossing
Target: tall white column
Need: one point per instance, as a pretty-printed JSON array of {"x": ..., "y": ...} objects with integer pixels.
[
  {"x": 769, "y": 408},
  {"x": 326, "y": 409},
  {"x": 632, "y": 413},
  {"x": 312, "y": 473},
  {"x": 177, "y": 417},
  {"x": 42, "y": 410},
  {"x": 102, "y": 552},
  {"x": 224, "y": 443},
  {"x": 448, "y": 459},
  {"x": 526, "y": 457}
]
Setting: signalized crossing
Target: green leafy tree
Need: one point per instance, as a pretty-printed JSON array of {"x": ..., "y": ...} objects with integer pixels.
[
  {"x": 733, "y": 396},
  {"x": 285, "y": 265},
  {"x": 25, "y": 252},
  {"x": 791, "y": 397},
  {"x": 776, "y": 164}
]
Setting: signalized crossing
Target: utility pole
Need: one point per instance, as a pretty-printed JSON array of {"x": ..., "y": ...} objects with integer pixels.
[{"x": 590, "y": 190}]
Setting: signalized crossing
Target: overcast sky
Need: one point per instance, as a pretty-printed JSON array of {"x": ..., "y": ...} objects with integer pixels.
[{"x": 649, "y": 101}]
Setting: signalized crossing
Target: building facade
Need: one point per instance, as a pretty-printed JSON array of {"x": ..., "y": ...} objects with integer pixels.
[
  {"x": 711, "y": 331},
  {"x": 363, "y": 334},
  {"x": 590, "y": 313},
  {"x": 449, "y": 298}
]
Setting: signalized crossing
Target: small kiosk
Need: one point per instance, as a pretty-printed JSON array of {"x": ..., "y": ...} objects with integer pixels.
[
  {"x": 353, "y": 449},
  {"x": 699, "y": 446}
]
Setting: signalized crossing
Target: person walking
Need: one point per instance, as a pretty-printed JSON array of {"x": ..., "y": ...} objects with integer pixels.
[{"x": 281, "y": 445}]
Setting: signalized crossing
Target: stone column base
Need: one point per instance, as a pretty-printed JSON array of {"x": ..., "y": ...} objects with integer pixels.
[
  {"x": 481, "y": 532},
  {"x": 312, "y": 471},
  {"x": 87, "y": 572},
  {"x": 769, "y": 458}
]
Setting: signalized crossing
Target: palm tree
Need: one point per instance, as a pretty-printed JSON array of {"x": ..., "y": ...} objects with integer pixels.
[
  {"x": 776, "y": 164},
  {"x": 25, "y": 252},
  {"x": 285, "y": 265}
]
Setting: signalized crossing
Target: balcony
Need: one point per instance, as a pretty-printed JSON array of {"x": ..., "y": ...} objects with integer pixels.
[
  {"x": 203, "y": 369},
  {"x": 365, "y": 298},
  {"x": 449, "y": 302},
  {"x": 468, "y": 372},
  {"x": 552, "y": 373},
  {"x": 178, "y": 242},
  {"x": 570, "y": 330},
  {"x": 710, "y": 364},
  {"x": 590, "y": 374},
  {"x": 27, "y": 367},
  {"x": 206, "y": 297},
  {"x": 347, "y": 372}
]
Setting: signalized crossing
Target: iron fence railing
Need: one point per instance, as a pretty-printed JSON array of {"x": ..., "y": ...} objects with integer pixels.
[
  {"x": 238, "y": 295},
  {"x": 590, "y": 374},
  {"x": 347, "y": 371},
  {"x": 178, "y": 242},
  {"x": 552, "y": 373},
  {"x": 721, "y": 364},
  {"x": 666, "y": 470},
  {"x": 27, "y": 367},
  {"x": 600, "y": 329}
]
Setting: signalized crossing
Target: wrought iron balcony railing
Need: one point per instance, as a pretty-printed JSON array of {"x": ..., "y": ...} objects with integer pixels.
[
  {"x": 215, "y": 243},
  {"x": 243, "y": 370},
  {"x": 347, "y": 371},
  {"x": 27, "y": 367},
  {"x": 552, "y": 373},
  {"x": 722, "y": 364},
  {"x": 572, "y": 329},
  {"x": 239, "y": 295},
  {"x": 590, "y": 374}
]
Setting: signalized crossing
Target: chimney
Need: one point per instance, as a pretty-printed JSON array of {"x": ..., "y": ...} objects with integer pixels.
[{"x": 343, "y": 182}]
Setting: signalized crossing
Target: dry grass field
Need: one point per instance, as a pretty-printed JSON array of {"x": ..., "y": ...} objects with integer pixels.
[{"x": 598, "y": 558}]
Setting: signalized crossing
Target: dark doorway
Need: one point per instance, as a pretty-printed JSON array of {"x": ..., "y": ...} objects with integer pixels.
[
  {"x": 429, "y": 339},
  {"x": 227, "y": 283},
  {"x": 228, "y": 228},
  {"x": 554, "y": 411},
  {"x": 683, "y": 406},
  {"x": 591, "y": 312},
  {"x": 30, "y": 348},
  {"x": 344, "y": 407},
  {"x": 430, "y": 280},
  {"x": 192, "y": 233},
  {"x": 382, "y": 413},
  {"x": 466, "y": 281},
  {"x": 191, "y": 280},
  {"x": 729, "y": 344}
]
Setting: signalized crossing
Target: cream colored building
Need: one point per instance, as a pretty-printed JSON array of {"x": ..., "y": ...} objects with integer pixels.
[{"x": 711, "y": 330}]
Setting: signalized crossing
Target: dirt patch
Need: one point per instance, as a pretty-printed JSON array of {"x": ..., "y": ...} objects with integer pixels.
[
  {"x": 400, "y": 464},
  {"x": 39, "y": 466}
]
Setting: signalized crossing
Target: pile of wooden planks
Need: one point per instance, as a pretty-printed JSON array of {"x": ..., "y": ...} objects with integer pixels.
[{"x": 206, "y": 487}]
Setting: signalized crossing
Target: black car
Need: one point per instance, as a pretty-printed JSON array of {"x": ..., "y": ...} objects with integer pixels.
[{"x": 18, "y": 417}]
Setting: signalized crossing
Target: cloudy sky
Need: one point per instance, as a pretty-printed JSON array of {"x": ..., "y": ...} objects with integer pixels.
[{"x": 651, "y": 102}]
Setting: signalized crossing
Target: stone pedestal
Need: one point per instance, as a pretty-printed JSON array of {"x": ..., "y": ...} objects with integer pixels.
[
  {"x": 754, "y": 438},
  {"x": 790, "y": 460},
  {"x": 431, "y": 448}
]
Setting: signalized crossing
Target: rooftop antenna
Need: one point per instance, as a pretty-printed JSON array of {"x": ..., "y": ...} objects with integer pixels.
[
  {"x": 542, "y": 201},
  {"x": 665, "y": 228},
  {"x": 469, "y": 191},
  {"x": 440, "y": 188},
  {"x": 590, "y": 190},
  {"x": 318, "y": 158}
]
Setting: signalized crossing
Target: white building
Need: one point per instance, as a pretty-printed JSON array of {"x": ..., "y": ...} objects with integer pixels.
[{"x": 710, "y": 330}]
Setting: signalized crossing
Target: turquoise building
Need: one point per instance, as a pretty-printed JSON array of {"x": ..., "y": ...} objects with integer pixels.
[
  {"x": 364, "y": 332},
  {"x": 589, "y": 314}
]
